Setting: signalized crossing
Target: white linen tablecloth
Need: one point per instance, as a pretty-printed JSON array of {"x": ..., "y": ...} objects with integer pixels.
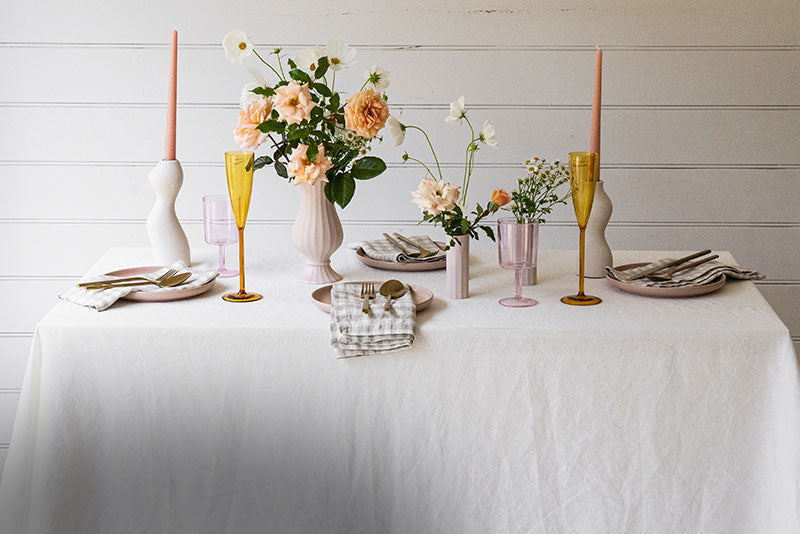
[{"x": 637, "y": 415}]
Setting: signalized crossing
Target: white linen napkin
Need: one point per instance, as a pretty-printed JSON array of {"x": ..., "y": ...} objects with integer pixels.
[
  {"x": 101, "y": 299},
  {"x": 381, "y": 249},
  {"x": 702, "y": 274},
  {"x": 354, "y": 333}
]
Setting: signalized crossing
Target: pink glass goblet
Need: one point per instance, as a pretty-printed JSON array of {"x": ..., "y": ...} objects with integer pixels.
[
  {"x": 517, "y": 250},
  {"x": 219, "y": 226}
]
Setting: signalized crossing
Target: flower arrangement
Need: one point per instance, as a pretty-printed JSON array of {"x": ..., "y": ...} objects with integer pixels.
[
  {"x": 537, "y": 191},
  {"x": 441, "y": 202},
  {"x": 313, "y": 133}
]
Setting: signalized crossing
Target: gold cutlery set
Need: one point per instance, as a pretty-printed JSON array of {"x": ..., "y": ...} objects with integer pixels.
[
  {"x": 423, "y": 252},
  {"x": 171, "y": 278},
  {"x": 676, "y": 266},
  {"x": 391, "y": 289}
]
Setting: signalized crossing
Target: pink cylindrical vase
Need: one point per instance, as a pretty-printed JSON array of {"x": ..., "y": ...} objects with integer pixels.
[
  {"x": 458, "y": 268},
  {"x": 317, "y": 234}
]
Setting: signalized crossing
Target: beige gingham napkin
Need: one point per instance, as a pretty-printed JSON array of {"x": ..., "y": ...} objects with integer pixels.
[
  {"x": 354, "y": 333},
  {"x": 381, "y": 249},
  {"x": 102, "y": 299},
  {"x": 702, "y": 274}
]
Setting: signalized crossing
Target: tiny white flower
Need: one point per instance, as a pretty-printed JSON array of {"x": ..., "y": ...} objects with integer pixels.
[
  {"x": 397, "y": 129},
  {"x": 487, "y": 135},
  {"x": 457, "y": 111},
  {"x": 307, "y": 59},
  {"x": 377, "y": 78},
  {"x": 237, "y": 46},
  {"x": 340, "y": 55}
]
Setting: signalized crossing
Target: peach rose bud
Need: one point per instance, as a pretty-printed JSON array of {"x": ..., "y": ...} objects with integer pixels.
[{"x": 500, "y": 197}]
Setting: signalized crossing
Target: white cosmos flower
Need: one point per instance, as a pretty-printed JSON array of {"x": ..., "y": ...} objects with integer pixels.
[
  {"x": 487, "y": 135},
  {"x": 398, "y": 130},
  {"x": 377, "y": 78},
  {"x": 308, "y": 58},
  {"x": 237, "y": 46},
  {"x": 340, "y": 55},
  {"x": 457, "y": 111}
]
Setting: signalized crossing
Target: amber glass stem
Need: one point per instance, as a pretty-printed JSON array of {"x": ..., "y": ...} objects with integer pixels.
[
  {"x": 241, "y": 262},
  {"x": 582, "y": 258}
]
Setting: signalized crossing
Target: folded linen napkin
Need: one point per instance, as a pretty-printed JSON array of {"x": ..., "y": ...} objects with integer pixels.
[
  {"x": 702, "y": 274},
  {"x": 101, "y": 299},
  {"x": 354, "y": 333},
  {"x": 381, "y": 249}
]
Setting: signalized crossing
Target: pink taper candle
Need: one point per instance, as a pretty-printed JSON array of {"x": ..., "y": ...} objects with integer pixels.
[
  {"x": 172, "y": 98},
  {"x": 594, "y": 140}
]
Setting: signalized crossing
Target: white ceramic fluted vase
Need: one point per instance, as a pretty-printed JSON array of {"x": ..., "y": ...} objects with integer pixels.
[
  {"x": 598, "y": 253},
  {"x": 166, "y": 235},
  {"x": 457, "y": 263},
  {"x": 317, "y": 233}
]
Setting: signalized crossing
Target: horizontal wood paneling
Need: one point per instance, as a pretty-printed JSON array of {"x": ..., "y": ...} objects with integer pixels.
[
  {"x": 8, "y": 409},
  {"x": 457, "y": 22},
  {"x": 14, "y": 350},
  {"x": 103, "y": 134},
  {"x": 639, "y": 195},
  {"x": 680, "y": 79}
]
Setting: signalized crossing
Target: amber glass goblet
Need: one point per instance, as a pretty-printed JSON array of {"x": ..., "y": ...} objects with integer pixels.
[
  {"x": 584, "y": 172},
  {"x": 239, "y": 168}
]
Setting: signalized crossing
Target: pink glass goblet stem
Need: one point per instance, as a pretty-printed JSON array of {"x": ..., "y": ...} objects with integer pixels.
[{"x": 222, "y": 270}]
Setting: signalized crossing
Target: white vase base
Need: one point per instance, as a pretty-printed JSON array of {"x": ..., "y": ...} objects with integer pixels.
[{"x": 318, "y": 274}]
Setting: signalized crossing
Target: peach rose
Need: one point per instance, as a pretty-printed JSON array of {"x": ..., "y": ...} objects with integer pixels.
[
  {"x": 293, "y": 102},
  {"x": 302, "y": 170},
  {"x": 366, "y": 113},
  {"x": 500, "y": 197},
  {"x": 246, "y": 133},
  {"x": 435, "y": 196}
]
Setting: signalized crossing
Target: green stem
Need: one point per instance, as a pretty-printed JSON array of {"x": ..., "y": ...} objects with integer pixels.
[
  {"x": 418, "y": 161},
  {"x": 278, "y": 74},
  {"x": 363, "y": 86},
  {"x": 280, "y": 65},
  {"x": 333, "y": 81},
  {"x": 428, "y": 139},
  {"x": 468, "y": 166}
]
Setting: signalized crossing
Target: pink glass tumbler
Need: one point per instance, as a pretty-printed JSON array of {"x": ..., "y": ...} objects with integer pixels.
[
  {"x": 517, "y": 250},
  {"x": 220, "y": 228}
]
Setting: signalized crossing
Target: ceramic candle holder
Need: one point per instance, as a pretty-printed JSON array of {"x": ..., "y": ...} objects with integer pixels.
[{"x": 166, "y": 234}]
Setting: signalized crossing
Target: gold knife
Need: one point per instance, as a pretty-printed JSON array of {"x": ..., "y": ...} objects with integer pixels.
[
  {"x": 400, "y": 247},
  {"x": 670, "y": 264}
]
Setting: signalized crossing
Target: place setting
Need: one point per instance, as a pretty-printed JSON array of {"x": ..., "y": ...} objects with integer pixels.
[{"x": 397, "y": 252}]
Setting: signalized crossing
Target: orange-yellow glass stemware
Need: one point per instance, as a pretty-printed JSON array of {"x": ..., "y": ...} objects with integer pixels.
[
  {"x": 583, "y": 171},
  {"x": 239, "y": 168}
]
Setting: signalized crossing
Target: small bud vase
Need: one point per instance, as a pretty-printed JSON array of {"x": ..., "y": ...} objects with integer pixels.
[
  {"x": 317, "y": 234},
  {"x": 598, "y": 253},
  {"x": 457, "y": 262},
  {"x": 166, "y": 235}
]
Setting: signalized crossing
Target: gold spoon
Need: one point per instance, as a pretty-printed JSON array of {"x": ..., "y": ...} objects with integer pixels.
[
  {"x": 668, "y": 275},
  {"x": 392, "y": 289},
  {"x": 172, "y": 281}
]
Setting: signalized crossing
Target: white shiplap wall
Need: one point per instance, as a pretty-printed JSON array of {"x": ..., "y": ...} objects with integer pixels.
[{"x": 700, "y": 125}]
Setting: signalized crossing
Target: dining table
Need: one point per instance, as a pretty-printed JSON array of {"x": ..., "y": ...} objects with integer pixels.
[{"x": 204, "y": 416}]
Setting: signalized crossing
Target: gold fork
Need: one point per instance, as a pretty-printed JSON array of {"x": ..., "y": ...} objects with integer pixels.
[
  {"x": 423, "y": 252},
  {"x": 129, "y": 279},
  {"x": 367, "y": 292}
]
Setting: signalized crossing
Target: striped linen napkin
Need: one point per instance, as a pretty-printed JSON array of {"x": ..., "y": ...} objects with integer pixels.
[
  {"x": 354, "y": 333},
  {"x": 102, "y": 299},
  {"x": 381, "y": 249},
  {"x": 702, "y": 274}
]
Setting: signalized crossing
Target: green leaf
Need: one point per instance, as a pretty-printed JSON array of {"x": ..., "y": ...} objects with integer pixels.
[
  {"x": 322, "y": 89},
  {"x": 280, "y": 168},
  {"x": 329, "y": 192},
  {"x": 368, "y": 167},
  {"x": 311, "y": 153},
  {"x": 343, "y": 189},
  {"x": 489, "y": 231},
  {"x": 262, "y": 161},
  {"x": 322, "y": 67},
  {"x": 334, "y": 103},
  {"x": 299, "y": 75},
  {"x": 271, "y": 125},
  {"x": 266, "y": 91},
  {"x": 291, "y": 63}
]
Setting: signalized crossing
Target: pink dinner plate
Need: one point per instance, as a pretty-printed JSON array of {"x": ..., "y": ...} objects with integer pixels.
[
  {"x": 392, "y": 266},
  {"x": 160, "y": 295},
  {"x": 665, "y": 292},
  {"x": 422, "y": 296}
]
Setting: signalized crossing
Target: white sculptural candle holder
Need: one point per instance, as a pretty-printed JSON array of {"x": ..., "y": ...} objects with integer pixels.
[{"x": 166, "y": 235}]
